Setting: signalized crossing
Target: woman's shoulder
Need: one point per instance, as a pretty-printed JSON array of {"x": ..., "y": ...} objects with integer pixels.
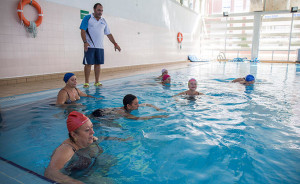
[
  {"x": 62, "y": 91},
  {"x": 120, "y": 110},
  {"x": 67, "y": 145},
  {"x": 62, "y": 155},
  {"x": 66, "y": 148},
  {"x": 198, "y": 93},
  {"x": 182, "y": 93}
]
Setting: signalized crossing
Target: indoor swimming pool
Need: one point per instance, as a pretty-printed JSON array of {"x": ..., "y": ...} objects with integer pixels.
[{"x": 232, "y": 134}]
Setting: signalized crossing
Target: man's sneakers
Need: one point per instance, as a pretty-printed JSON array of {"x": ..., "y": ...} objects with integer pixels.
[
  {"x": 86, "y": 85},
  {"x": 98, "y": 84}
]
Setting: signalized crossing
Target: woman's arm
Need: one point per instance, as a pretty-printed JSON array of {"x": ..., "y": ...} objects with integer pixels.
[
  {"x": 182, "y": 93},
  {"x": 85, "y": 95},
  {"x": 61, "y": 97},
  {"x": 200, "y": 93},
  {"x": 116, "y": 138},
  {"x": 60, "y": 157},
  {"x": 238, "y": 80},
  {"x": 150, "y": 105}
]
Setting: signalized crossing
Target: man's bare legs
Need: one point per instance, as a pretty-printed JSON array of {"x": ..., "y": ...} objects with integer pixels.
[
  {"x": 87, "y": 71},
  {"x": 97, "y": 70}
]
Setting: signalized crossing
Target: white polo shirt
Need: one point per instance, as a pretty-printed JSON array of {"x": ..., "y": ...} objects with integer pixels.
[{"x": 95, "y": 30}]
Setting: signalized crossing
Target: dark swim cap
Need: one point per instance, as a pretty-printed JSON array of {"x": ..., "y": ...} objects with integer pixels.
[
  {"x": 68, "y": 76},
  {"x": 249, "y": 78},
  {"x": 98, "y": 113}
]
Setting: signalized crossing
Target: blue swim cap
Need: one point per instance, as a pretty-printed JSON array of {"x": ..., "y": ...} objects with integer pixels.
[
  {"x": 249, "y": 78},
  {"x": 68, "y": 76}
]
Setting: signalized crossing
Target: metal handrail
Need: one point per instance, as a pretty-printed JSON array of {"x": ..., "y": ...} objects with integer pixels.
[{"x": 238, "y": 52}]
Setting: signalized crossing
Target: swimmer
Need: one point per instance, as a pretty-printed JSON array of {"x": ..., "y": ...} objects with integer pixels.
[
  {"x": 130, "y": 103},
  {"x": 70, "y": 94},
  {"x": 77, "y": 153},
  {"x": 163, "y": 72},
  {"x": 192, "y": 84},
  {"x": 166, "y": 80},
  {"x": 248, "y": 80}
]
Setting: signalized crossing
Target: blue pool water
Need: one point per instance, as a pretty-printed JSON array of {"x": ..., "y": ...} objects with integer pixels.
[{"x": 233, "y": 134}]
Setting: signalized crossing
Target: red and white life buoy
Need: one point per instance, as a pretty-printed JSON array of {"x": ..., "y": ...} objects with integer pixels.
[
  {"x": 21, "y": 5},
  {"x": 179, "y": 37}
]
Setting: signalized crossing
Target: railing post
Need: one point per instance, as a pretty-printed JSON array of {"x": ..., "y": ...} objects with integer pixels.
[
  {"x": 291, "y": 31},
  {"x": 226, "y": 35},
  {"x": 256, "y": 35}
]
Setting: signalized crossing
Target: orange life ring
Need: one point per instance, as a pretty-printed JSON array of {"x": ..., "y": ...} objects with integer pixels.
[
  {"x": 21, "y": 5},
  {"x": 179, "y": 37}
]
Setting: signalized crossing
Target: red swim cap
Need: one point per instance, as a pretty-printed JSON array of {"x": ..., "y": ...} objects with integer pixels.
[
  {"x": 165, "y": 77},
  {"x": 75, "y": 120}
]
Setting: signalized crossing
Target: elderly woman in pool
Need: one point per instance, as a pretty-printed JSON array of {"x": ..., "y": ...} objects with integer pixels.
[
  {"x": 192, "y": 84},
  {"x": 78, "y": 152},
  {"x": 248, "y": 80},
  {"x": 69, "y": 156},
  {"x": 130, "y": 103},
  {"x": 70, "y": 94}
]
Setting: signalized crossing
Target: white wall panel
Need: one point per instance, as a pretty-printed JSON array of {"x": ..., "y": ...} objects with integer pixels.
[{"x": 145, "y": 30}]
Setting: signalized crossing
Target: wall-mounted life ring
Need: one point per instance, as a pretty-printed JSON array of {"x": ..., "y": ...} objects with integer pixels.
[
  {"x": 21, "y": 5},
  {"x": 179, "y": 37}
]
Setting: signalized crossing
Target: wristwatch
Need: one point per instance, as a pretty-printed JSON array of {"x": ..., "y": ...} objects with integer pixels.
[{"x": 85, "y": 42}]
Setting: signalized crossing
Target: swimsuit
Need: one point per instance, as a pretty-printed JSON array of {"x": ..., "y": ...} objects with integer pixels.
[
  {"x": 194, "y": 94},
  {"x": 82, "y": 160},
  {"x": 110, "y": 113},
  {"x": 69, "y": 101}
]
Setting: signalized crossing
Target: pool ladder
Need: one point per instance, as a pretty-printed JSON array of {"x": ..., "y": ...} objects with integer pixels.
[{"x": 221, "y": 56}]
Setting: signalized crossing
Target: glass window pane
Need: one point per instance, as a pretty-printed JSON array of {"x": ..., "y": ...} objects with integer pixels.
[{"x": 275, "y": 37}]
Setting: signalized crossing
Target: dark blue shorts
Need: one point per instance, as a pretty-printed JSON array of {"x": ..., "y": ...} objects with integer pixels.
[{"x": 93, "y": 56}]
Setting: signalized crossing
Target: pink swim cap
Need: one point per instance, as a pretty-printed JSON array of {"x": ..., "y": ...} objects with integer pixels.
[
  {"x": 165, "y": 77},
  {"x": 192, "y": 79},
  {"x": 75, "y": 120}
]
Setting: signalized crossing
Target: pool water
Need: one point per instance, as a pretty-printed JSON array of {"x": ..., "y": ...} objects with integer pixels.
[{"x": 232, "y": 134}]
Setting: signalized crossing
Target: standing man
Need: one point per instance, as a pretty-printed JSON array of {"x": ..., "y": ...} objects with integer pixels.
[{"x": 93, "y": 28}]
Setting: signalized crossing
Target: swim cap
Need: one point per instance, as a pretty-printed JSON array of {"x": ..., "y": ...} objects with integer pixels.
[
  {"x": 192, "y": 79},
  {"x": 75, "y": 120},
  {"x": 68, "y": 76},
  {"x": 165, "y": 77},
  {"x": 163, "y": 70},
  {"x": 249, "y": 78},
  {"x": 98, "y": 113}
]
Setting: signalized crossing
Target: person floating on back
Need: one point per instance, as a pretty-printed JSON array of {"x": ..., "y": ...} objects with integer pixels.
[
  {"x": 192, "y": 84},
  {"x": 248, "y": 80},
  {"x": 70, "y": 94}
]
